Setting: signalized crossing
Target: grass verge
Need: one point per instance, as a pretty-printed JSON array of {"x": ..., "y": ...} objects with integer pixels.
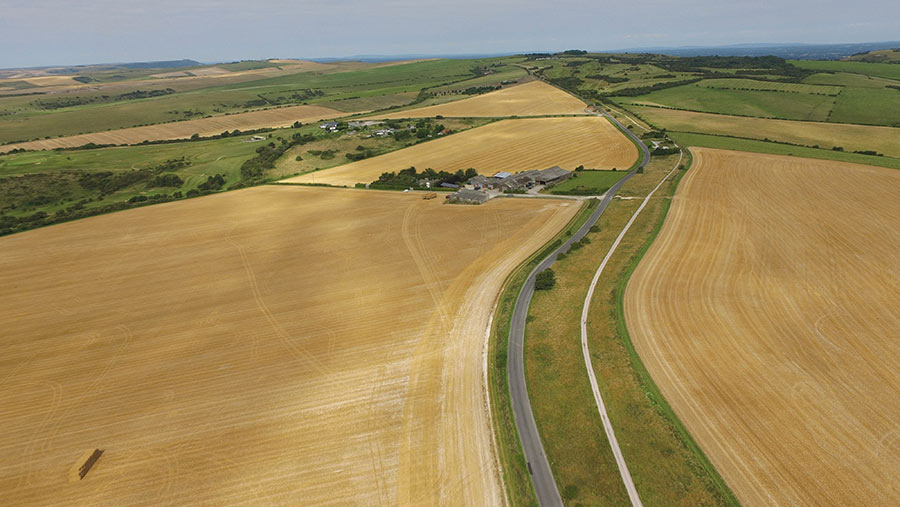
[
  {"x": 754, "y": 146},
  {"x": 664, "y": 462},
  {"x": 723, "y": 492},
  {"x": 516, "y": 478}
]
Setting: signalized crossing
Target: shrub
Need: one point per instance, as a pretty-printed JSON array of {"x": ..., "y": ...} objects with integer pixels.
[{"x": 545, "y": 280}]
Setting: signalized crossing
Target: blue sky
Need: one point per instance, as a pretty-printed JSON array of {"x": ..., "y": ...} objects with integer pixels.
[{"x": 52, "y": 32}]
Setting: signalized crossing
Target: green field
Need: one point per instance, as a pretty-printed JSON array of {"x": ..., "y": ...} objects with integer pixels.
[
  {"x": 847, "y": 137},
  {"x": 50, "y": 182},
  {"x": 870, "y": 106},
  {"x": 21, "y": 119},
  {"x": 764, "y": 104},
  {"x": 850, "y": 80},
  {"x": 754, "y": 85},
  {"x": 754, "y": 146},
  {"x": 888, "y": 70},
  {"x": 588, "y": 182}
]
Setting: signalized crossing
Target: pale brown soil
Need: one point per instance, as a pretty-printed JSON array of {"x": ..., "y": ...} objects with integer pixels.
[
  {"x": 534, "y": 98},
  {"x": 279, "y": 117},
  {"x": 508, "y": 145},
  {"x": 767, "y": 312},
  {"x": 281, "y": 345}
]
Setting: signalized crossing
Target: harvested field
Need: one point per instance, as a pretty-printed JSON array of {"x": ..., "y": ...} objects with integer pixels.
[
  {"x": 766, "y": 311},
  {"x": 281, "y": 117},
  {"x": 884, "y": 140},
  {"x": 52, "y": 81},
  {"x": 269, "y": 345},
  {"x": 508, "y": 145},
  {"x": 534, "y": 98}
]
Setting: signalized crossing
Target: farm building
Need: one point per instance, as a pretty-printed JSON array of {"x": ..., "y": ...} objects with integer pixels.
[
  {"x": 467, "y": 196},
  {"x": 552, "y": 175},
  {"x": 520, "y": 181}
]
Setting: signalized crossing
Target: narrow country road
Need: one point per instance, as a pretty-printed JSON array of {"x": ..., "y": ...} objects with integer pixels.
[
  {"x": 601, "y": 407},
  {"x": 538, "y": 466}
]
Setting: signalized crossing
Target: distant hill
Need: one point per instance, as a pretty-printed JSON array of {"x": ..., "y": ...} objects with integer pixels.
[
  {"x": 100, "y": 67},
  {"x": 879, "y": 56},
  {"x": 159, "y": 65},
  {"x": 787, "y": 51}
]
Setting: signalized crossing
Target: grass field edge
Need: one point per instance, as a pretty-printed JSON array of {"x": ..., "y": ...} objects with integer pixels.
[
  {"x": 641, "y": 371},
  {"x": 513, "y": 468}
]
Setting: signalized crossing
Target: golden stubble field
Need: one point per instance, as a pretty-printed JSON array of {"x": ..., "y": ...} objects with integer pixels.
[
  {"x": 507, "y": 145},
  {"x": 766, "y": 311},
  {"x": 270, "y": 345},
  {"x": 885, "y": 140},
  {"x": 534, "y": 98},
  {"x": 279, "y": 117}
]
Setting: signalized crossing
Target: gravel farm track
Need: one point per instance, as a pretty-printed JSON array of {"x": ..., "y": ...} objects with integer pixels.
[
  {"x": 766, "y": 312},
  {"x": 277, "y": 344}
]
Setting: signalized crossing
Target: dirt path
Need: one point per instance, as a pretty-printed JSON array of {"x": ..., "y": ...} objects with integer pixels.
[{"x": 598, "y": 399}]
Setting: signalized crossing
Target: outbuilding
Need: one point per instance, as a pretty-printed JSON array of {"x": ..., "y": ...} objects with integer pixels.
[
  {"x": 552, "y": 175},
  {"x": 467, "y": 196}
]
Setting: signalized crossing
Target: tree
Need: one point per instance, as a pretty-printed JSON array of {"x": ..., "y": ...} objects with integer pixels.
[{"x": 545, "y": 280}]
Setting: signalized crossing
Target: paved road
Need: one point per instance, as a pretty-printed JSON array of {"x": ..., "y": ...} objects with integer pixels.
[{"x": 538, "y": 466}]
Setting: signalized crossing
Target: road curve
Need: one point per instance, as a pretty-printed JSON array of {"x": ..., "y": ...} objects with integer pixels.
[
  {"x": 601, "y": 407},
  {"x": 538, "y": 466}
]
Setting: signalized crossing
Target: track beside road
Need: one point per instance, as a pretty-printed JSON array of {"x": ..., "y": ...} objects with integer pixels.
[{"x": 538, "y": 466}]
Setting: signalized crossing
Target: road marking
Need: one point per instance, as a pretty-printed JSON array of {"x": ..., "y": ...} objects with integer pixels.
[{"x": 601, "y": 407}]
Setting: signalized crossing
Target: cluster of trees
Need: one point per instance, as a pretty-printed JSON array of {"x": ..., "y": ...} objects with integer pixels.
[
  {"x": 748, "y": 65},
  {"x": 297, "y": 96},
  {"x": 108, "y": 182},
  {"x": 211, "y": 184},
  {"x": 361, "y": 153},
  {"x": 608, "y": 79},
  {"x": 478, "y": 90},
  {"x": 10, "y": 224},
  {"x": 411, "y": 178},
  {"x": 545, "y": 280},
  {"x": 253, "y": 170},
  {"x": 642, "y": 90},
  {"x": 63, "y": 102}
]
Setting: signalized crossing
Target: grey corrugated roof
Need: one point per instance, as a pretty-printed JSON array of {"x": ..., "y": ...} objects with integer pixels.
[{"x": 551, "y": 173}]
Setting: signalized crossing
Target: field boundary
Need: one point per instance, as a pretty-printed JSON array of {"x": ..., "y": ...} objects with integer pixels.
[
  {"x": 585, "y": 349},
  {"x": 542, "y": 479},
  {"x": 514, "y": 470},
  {"x": 652, "y": 390}
]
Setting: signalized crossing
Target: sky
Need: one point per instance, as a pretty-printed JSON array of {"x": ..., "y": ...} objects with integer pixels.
[{"x": 66, "y": 32}]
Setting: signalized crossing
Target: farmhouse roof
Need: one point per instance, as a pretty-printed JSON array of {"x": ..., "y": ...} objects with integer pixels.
[{"x": 502, "y": 175}]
